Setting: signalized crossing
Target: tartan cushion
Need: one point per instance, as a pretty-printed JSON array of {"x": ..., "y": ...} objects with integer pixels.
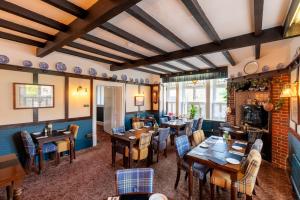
[
  {"x": 28, "y": 143},
  {"x": 134, "y": 180},
  {"x": 137, "y": 125},
  {"x": 198, "y": 136},
  {"x": 182, "y": 145},
  {"x": 49, "y": 147}
]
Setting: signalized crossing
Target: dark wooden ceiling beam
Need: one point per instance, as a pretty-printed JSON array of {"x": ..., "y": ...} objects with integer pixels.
[
  {"x": 170, "y": 66},
  {"x": 97, "y": 51},
  {"x": 199, "y": 15},
  {"x": 157, "y": 69},
  {"x": 258, "y": 20},
  {"x": 22, "y": 12},
  {"x": 187, "y": 64},
  {"x": 20, "y": 39},
  {"x": 206, "y": 61},
  {"x": 25, "y": 30},
  {"x": 269, "y": 35},
  {"x": 82, "y": 55},
  {"x": 148, "y": 20},
  {"x": 147, "y": 71},
  {"x": 68, "y": 7},
  {"x": 99, "y": 13},
  {"x": 111, "y": 45}
]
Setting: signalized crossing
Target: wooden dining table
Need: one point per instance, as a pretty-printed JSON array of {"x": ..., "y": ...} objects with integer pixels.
[
  {"x": 214, "y": 156},
  {"x": 54, "y": 136},
  {"x": 235, "y": 131},
  {"x": 124, "y": 139},
  {"x": 12, "y": 175},
  {"x": 177, "y": 125}
]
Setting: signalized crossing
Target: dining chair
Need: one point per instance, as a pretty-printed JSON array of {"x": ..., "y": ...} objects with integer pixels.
[
  {"x": 163, "y": 120},
  {"x": 31, "y": 151},
  {"x": 160, "y": 142},
  {"x": 64, "y": 145},
  {"x": 182, "y": 145},
  {"x": 195, "y": 125},
  {"x": 138, "y": 180},
  {"x": 187, "y": 130},
  {"x": 138, "y": 125},
  {"x": 246, "y": 181},
  {"x": 120, "y": 147},
  {"x": 198, "y": 137},
  {"x": 141, "y": 151}
]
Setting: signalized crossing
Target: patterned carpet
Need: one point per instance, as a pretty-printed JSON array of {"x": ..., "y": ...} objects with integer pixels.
[{"x": 91, "y": 177}]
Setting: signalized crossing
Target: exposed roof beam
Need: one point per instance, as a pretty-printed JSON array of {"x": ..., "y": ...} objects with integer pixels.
[
  {"x": 128, "y": 36},
  {"x": 99, "y": 13},
  {"x": 258, "y": 19},
  {"x": 20, "y": 39},
  {"x": 257, "y": 51},
  {"x": 170, "y": 66},
  {"x": 206, "y": 61},
  {"x": 201, "y": 71},
  {"x": 157, "y": 69},
  {"x": 147, "y": 71},
  {"x": 187, "y": 64},
  {"x": 22, "y": 12},
  {"x": 96, "y": 51},
  {"x": 145, "y": 18},
  {"x": 111, "y": 45},
  {"x": 269, "y": 35},
  {"x": 25, "y": 30},
  {"x": 199, "y": 15},
  {"x": 82, "y": 55},
  {"x": 289, "y": 17},
  {"x": 68, "y": 7}
]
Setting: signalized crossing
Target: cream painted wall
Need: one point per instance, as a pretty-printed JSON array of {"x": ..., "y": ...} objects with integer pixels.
[
  {"x": 18, "y": 52},
  {"x": 79, "y": 105},
  {"x": 8, "y": 114},
  {"x": 58, "y": 112},
  {"x": 131, "y": 91},
  {"x": 147, "y": 94}
]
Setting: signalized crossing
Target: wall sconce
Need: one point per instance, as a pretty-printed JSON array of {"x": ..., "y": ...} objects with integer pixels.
[
  {"x": 80, "y": 91},
  {"x": 289, "y": 90}
]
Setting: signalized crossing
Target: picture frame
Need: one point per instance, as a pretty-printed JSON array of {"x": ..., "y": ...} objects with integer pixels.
[
  {"x": 139, "y": 100},
  {"x": 29, "y": 96},
  {"x": 294, "y": 101},
  {"x": 154, "y": 97}
]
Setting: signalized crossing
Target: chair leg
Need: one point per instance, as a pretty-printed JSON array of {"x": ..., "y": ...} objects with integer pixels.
[
  {"x": 212, "y": 191},
  {"x": 256, "y": 182},
  {"x": 200, "y": 188},
  {"x": 248, "y": 197},
  {"x": 58, "y": 157},
  {"x": 166, "y": 148},
  {"x": 254, "y": 192},
  {"x": 186, "y": 176},
  {"x": 177, "y": 177},
  {"x": 157, "y": 156}
]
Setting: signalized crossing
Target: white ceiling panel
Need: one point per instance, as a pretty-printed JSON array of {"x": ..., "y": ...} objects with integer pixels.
[
  {"x": 176, "y": 17},
  {"x": 21, "y": 34},
  {"x": 97, "y": 32},
  {"x": 229, "y": 17},
  {"x": 102, "y": 48},
  {"x": 179, "y": 65},
  {"x": 275, "y": 12},
  {"x": 151, "y": 70},
  {"x": 267, "y": 48},
  {"x": 243, "y": 53},
  {"x": 137, "y": 28},
  {"x": 218, "y": 59},
  {"x": 166, "y": 68},
  {"x": 85, "y": 4},
  {"x": 198, "y": 63}
]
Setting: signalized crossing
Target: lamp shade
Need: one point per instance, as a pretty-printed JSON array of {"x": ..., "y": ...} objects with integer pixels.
[{"x": 288, "y": 91}]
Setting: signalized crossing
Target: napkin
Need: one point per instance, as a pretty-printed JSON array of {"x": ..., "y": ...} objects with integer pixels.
[{"x": 113, "y": 198}]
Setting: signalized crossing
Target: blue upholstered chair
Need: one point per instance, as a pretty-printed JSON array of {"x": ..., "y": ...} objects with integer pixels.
[
  {"x": 31, "y": 151},
  {"x": 138, "y": 180},
  {"x": 163, "y": 120},
  {"x": 183, "y": 146},
  {"x": 120, "y": 148},
  {"x": 160, "y": 142},
  {"x": 197, "y": 124}
]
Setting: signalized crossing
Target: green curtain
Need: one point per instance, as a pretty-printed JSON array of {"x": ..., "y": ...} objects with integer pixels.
[{"x": 222, "y": 73}]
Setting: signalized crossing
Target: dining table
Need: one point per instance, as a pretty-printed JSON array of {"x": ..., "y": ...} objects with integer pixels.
[
  {"x": 126, "y": 140},
  {"x": 41, "y": 138},
  {"x": 177, "y": 125},
  {"x": 214, "y": 153},
  {"x": 12, "y": 175},
  {"x": 235, "y": 131}
]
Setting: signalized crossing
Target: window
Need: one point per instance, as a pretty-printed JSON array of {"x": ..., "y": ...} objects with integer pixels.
[
  {"x": 208, "y": 96},
  {"x": 100, "y": 96}
]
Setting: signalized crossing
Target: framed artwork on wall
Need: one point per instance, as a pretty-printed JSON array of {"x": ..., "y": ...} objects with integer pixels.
[
  {"x": 294, "y": 101},
  {"x": 139, "y": 100}
]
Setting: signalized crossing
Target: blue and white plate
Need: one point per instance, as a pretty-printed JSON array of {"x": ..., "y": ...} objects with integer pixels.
[
  {"x": 280, "y": 66},
  {"x": 104, "y": 75},
  {"x": 92, "y": 72},
  {"x": 265, "y": 68},
  {"x": 27, "y": 63},
  {"x": 114, "y": 77},
  {"x": 124, "y": 77},
  {"x": 147, "y": 81},
  {"x": 4, "y": 59},
  {"x": 141, "y": 80},
  {"x": 136, "y": 80},
  {"x": 43, "y": 66},
  {"x": 131, "y": 79},
  {"x": 61, "y": 67},
  {"x": 77, "y": 70}
]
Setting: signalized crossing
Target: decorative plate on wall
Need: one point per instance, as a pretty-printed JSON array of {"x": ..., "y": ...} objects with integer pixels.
[
  {"x": 92, "y": 72},
  {"x": 265, "y": 68},
  {"x": 104, "y": 75},
  {"x": 114, "y": 77},
  {"x": 136, "y": 80},
  {"x": 124, "y": 77},
  {"x": 4, "y": 59},
  {"x": 142, "y": 80},
  {"x": 43, "y": 65},
  {"x": 251, "y": 67},
  {"x": 131, "y": 79},
  {"x": 231, "y": 75},
  {"x": 280, "y": 66},
  {"x": 27, "y": 63},
  {"x": 77, "y": 70},
  {"x": 239, "y": 74},
  {"x": 61, "y": 67},
  {"x": 147, "y": 81}
]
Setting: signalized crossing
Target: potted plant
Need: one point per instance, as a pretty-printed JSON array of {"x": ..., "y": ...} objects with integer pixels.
[{"x": 193, "y": 111}]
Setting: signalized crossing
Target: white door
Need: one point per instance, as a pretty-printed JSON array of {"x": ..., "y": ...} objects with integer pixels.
[{"x": 108, "y": 108}]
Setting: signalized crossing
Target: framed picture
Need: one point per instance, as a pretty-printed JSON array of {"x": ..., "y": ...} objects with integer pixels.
[
  {"x": 294, "y": 101},
  {"x": 154, "y": 97},
  {"x": 139, "y": 100},
  {"x": 28, "y": 96}
]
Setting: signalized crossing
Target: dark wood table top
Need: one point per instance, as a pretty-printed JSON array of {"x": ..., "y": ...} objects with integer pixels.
[
  {"x": 56, "y": 135},
  {"x": 217, "y": 150},
  {"x": 10, "y": 170},
  {"x": 233, "y": 129},
  {"x": 137, "y": 133},
  {"x": 175, "y": 123}
]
